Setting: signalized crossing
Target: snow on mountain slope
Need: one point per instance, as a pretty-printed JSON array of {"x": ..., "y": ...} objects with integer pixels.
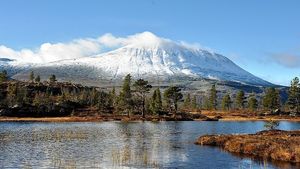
[
  {"x": 12, "y": 66},
  {"x": 149, "y": 56}
]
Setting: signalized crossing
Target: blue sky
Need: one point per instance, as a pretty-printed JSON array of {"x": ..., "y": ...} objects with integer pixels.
[{"x": 262, "y": 37}]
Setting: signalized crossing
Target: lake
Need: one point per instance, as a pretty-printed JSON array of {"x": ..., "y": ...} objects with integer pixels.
[{"x": 125, "y": 145}]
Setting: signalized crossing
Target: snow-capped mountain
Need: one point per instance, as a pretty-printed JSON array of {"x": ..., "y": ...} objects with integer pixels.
[
  {"x": 12, "y": 66},
  {"x": 149, "y": 57}
]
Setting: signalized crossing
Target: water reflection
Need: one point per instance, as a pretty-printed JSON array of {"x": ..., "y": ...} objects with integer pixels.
[{"x": 124, "y": 145}]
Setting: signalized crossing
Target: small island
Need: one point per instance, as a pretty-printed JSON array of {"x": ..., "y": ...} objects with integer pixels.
[{"x": 269, "y": 144}]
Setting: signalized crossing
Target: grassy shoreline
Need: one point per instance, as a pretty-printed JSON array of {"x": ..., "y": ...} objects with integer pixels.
[
  {"x": 273, "y": 144},
  {"x": 148, "y": 118}
]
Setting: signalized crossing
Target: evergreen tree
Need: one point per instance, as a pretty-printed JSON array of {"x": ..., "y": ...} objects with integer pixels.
[
  {"x": 206, "y": 104},
  {"x": 187, "y": 101},
  {"x": 226, "y": 102},
  {"x": 37, "y": 79},
  {"x": 3, "y": 76},
  {"x": 294, "y": 96},
  {"x": 213, "y": 98},
  {"x": 93, "y": 99},
  {"x": 156, "y": 102},
  {"x": 173, "y": 95},
  {"x": 271, "y": 99},
  {"x": 125, "y": 97},
  {"x": 252, "y": 102},
  {"x": 240, "y": 99},
  {"x": 194, "y": 104},
  {"x": 141, "y": 88},
  {"x": 113, "y": 98},
  {"x": 12, "y": 93},
  {"x": 103, "y": 101},
  {"x": 52, "y": 79},
  {"x": 31, "y": 76}
]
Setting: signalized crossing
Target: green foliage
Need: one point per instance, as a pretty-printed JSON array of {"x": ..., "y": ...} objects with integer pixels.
[
  {"x": 156, "y": 102},
  {"x": 141, "y": 88},
  {"x": 190, "y": 103},
  {"x": 294, "y": 96},
  {"x": 113, "y": 98},
  {"x": 226, "y": 102},
  {"x": 213, "y": 98},
  {"x": 172, "y": 96},
  {"x": 252, "y": 102},
  {"x": 17, "y": 93},
  {"x": 31, "y": 76},
  {"x": 41, "y": 99},
  {"x": 52, "y": 79},
  {"x": 187, "y": 101},
  {"x": 206, "y": 103},
  {"x": 3, "y": 76},
  {"x": 12, "y": 92},
  {"x": 271, "y": 99},
  {"x": 194, "y": 103},
  {"x": 271, "y": 125},
  {"x": 240, "y": 99},
  {"x": 37, "y": 79},
  {"x": 103, "y": 103},
  {"x": 125, "y": 102}
]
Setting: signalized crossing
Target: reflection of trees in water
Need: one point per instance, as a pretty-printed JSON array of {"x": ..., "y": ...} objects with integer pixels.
[
  {"x": 135, "y": 150},
  {"x": 107, "y": 145},
  {"x": 148, "y": 144}
]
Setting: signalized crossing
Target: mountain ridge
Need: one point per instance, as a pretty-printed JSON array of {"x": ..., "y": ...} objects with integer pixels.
[{"x": 151, "y": 57}]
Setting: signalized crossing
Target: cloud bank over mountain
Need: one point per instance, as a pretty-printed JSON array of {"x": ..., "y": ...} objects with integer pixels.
[{"x": 77, "y": 48}]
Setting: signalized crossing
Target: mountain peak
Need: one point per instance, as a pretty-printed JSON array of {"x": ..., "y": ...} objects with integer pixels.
[
  {"x": 147, "y": 40},
  {"x": 149, "y": 56}
]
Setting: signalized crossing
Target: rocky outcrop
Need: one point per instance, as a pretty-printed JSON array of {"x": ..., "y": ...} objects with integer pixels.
[{"x": 275, "y": 144}]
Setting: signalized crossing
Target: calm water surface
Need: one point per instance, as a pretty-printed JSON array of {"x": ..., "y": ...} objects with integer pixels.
[{"x": 124, "y": 145}]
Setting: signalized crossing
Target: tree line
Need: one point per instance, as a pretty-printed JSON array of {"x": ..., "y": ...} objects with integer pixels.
[
  {"x": 139, "y": 97},
  {"x": 269, "y": 101}
]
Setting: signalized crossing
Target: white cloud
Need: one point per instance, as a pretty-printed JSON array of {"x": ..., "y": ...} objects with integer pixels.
[{"x": 49, "y": 52}]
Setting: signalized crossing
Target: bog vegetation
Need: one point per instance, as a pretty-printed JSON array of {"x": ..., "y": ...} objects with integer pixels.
[{"x": 52, "y": 98}]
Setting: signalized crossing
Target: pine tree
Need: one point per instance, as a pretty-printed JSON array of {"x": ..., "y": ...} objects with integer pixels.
[
  {"x": 52, "y": 79},
  {"x": 226, "y": 102},
  {"x": 125, "y": 97},
  {"x": 187, "y": 101},
  {"x": 294, "y": 96},
  {"x": 156, "y": 101},
  {"x": 152, "y": 104},
  {"x": 113, "y": 98},
  {"x": 102, "y": 101},
  {"x": 240, "y": 100},
  {"x": 173, "y": 95},
  {"x": 271, "y": 99},
  {"x": 12, "y": 93},
  {"x": 94, "y": 97},
  {"x": 31, "y": 76},
  {"x": 252, "y": 102},
  {"x": 141, "y": 88},
  {"x": 213, "y": 98},
  {"x": 3, "y": 76},
  {"x": 37, "y": 79},
  {"x": 206, "y": 103},
  {"x": 194, "y": 104}
]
